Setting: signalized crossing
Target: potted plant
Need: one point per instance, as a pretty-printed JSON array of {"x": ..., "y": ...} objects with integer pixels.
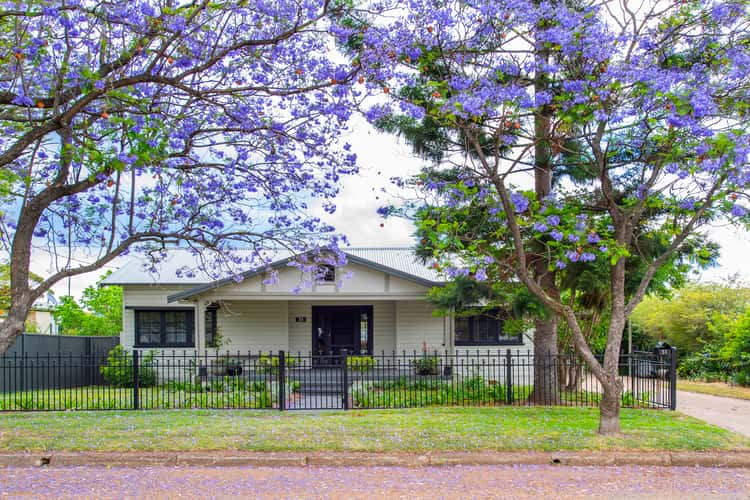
[{"x": 426, "y": 364}]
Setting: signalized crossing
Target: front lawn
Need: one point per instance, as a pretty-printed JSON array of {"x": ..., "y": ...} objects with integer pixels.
[
  {"x": 714, "y": 389},
  {"x": 414, "y": 430}
]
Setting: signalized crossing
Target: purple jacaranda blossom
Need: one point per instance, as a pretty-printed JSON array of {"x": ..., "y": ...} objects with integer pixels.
[
  {"x": 593, "y": 238},
  {"x": 738, "y": 210},
  {"x": 520, "y": 202},
  {"x": 556, "y": 235},
  {"x": 540, "y": 226},
  {"x": 587, "y": 257},
  {"x": 22, "y": 100},
  {"x": 572, "y": 255}
]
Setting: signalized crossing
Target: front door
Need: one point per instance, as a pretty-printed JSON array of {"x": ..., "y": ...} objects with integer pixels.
[{"x": 339, "y": 329}]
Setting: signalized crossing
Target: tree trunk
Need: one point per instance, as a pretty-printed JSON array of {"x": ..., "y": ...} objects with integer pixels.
[
  {"x": 12, "y": 327},
  {"x": 609, "y": 416},
  {"x": 609, "y": 408},
  {"x": 545, "y": 390},
  {"x": 569, "y": 373},
  {"x": 545, "y": 337},
  {"x": 577, "y": 375}
]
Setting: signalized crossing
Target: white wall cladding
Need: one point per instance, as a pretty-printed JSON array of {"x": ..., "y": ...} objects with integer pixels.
[
  {"x": 384, "y": 319},
  {"x": 300, "y": 333},
  {"x": 254, "y": 326},
  {"x": 416, "y": 325}
]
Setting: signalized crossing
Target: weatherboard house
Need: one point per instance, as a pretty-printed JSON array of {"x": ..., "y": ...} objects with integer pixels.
[{"x": 375, "y": 303}]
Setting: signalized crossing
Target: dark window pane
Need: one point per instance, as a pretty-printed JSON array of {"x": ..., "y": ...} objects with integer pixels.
[
  {"x": 482, "y": 328},
  {"x": 176, "y": 327},
  {"x": 327, "y": 274},
  {"x": 462, "y": 330},
  {"x": 210, "y": 324},
  {"x": 149, "y": 327},
  {"x": 487, "y": 329}
]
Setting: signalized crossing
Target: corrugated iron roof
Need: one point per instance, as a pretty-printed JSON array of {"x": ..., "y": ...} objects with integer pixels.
[{"x": 397, "y": 260}]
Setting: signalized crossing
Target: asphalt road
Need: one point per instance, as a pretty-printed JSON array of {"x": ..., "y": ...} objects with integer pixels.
[{"x": 520, "y": 481}]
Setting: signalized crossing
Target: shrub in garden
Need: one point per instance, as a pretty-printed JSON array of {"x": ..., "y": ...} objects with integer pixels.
[
  {"x": 403, "y": 393},
  {"x": 360, "y": 363},
  {"x": 707, "y": 366},
  {"x": 270, "y": 363},
  {"x": 119, "y": 369}
]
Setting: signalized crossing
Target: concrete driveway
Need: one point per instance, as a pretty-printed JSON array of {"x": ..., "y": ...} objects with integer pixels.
[{"x": 729, "y": 413}]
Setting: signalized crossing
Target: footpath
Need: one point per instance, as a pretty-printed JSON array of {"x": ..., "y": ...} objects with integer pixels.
[{"x": 348, "y": 459}]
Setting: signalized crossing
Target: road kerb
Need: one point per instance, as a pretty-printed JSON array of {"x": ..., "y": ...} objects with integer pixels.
[{"x": 355, "y": 459}]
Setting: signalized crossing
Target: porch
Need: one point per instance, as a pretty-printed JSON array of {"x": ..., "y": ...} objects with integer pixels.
[{"x": 320, "y": 328}]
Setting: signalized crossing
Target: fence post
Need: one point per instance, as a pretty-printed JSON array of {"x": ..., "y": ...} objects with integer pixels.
[
  {"x": 282, "y": 381},
  {"x": 672, "y": 378},
  {"x": 508, "y": 377},
  {"x": 345, "y": 380},
  {"x": 136, "y": 381},
  {"x": 633, "y": 374}
]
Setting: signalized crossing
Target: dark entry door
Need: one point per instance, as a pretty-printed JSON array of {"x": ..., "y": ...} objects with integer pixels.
[{"x": 339, "y": 329}]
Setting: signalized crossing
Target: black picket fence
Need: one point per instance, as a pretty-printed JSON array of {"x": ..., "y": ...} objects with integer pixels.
[{"x": 278, "y": 380}]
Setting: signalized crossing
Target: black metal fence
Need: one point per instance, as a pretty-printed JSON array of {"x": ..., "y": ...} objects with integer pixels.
[{"x": 152, "y": 380}]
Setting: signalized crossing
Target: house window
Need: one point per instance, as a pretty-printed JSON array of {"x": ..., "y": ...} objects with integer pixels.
[
  {"x": 483, "y": 328},
  {"x": 210, "y": 325},
  {"x": 327, "y": 274},
  {"x": 164, "y": 328}
]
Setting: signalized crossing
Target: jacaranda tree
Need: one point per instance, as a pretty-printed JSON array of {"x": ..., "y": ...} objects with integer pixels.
[
  {"x": 148, "y": 124},
  {"x": 650, "y": 100}
]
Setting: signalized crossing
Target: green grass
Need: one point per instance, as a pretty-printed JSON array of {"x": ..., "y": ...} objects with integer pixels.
[
  {"x": 714, "y": 389},
  {"x": 414, "y": 430}
]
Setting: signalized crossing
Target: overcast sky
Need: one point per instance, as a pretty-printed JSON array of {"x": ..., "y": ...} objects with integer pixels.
[{"x": 381, "y": 157}]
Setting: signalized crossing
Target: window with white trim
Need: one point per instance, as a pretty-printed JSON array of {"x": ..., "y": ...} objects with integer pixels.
[{"x": 164, "y": 328}]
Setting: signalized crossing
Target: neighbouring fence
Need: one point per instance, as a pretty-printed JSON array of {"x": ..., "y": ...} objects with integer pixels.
[
  {"x": 38, "y": 362},
  {"x": 155, "y": 380}
]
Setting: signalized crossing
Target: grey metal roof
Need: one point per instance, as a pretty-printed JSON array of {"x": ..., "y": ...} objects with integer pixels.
[
  {"x": 398, "y": 261},
  {"x": 136, "y": 271},
  {"x": 397, "y": 258}
]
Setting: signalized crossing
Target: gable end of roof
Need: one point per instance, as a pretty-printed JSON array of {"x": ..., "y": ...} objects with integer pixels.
[{"x": 197, "y": 290}]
